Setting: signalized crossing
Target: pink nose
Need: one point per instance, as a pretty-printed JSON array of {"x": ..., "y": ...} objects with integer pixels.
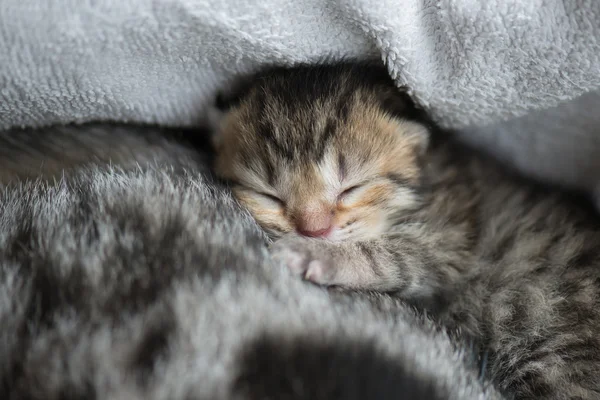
[
  {"x": 315, "y": 222},
  {"x": 319, "y": 233}
]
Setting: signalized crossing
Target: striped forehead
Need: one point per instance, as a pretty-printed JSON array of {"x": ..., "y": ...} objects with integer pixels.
[
  {"x": 303, "y": 181},
  {"x": 297, "y": 132}
]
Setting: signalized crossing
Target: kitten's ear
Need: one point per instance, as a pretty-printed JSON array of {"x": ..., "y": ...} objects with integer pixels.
[
  {"x": 226, "y": 99},
  {"x": 398, "y": 103},
  {"x": 417, "y": 134},
  {"x": 232, "y": 94},
  {"x": 419, "y": 126}
]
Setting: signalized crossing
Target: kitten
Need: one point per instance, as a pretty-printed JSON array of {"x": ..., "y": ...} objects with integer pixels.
[{"x": 347, "y": 177}]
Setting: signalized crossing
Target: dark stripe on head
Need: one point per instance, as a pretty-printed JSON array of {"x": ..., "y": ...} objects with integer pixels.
[
  {"x": 266, "y": 131},
  {"x": 269, "y": 170},
  {"x": 343, "y": 107},
  {"x": 264, "y": 127},
  {"x": 401, "y": 181},
  {"x": 343, "y": 168},
  {"x": 323, "y": 141}
]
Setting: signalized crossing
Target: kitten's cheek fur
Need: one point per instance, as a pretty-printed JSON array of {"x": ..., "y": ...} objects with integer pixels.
[{"x": 365, "y": 226}]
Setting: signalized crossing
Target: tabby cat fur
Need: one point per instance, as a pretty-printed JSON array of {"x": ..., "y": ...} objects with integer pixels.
[
  {"x": 145, "y": 279},
  {"x": 360, "y": 191}
]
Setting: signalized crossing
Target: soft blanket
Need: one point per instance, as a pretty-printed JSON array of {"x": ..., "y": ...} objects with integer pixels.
[{"x": 468, "y": 62}]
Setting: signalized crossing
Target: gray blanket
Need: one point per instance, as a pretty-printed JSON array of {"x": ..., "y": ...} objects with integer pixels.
[{"x": 468, "y": 62}]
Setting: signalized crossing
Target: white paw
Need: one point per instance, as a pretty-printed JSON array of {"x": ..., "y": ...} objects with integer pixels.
[
  {"x": 306, "y": 258},
  {"x": 295, "y": 260},
  {"x": 315, "y": 272}
]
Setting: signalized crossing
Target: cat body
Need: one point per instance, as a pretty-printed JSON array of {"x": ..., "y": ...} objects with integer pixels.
[
  {"x": 145, "y": 279},
  {"x": 58, "y": 151},
  {"x": 360, "y": 192}
]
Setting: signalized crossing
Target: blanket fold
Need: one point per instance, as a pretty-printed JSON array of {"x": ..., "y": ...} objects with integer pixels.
[{"x": 467, "y": 62}]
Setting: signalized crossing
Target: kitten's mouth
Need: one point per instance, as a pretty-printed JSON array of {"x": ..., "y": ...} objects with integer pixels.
[{"x": 321, "y": 233}]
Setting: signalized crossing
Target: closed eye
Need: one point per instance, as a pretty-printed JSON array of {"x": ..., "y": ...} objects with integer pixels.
[
  {"x": 266, "y": 196},
  {"x": 272, "y": 198},
  {"x": 349, "y": 191}
]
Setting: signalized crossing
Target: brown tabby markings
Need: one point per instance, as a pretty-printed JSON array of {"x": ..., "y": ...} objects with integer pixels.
[
  {"x": 492, "y": 256},
  {"x": 309, "y": 191}
]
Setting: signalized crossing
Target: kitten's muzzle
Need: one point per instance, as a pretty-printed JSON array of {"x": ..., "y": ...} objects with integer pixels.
[{"x": 315, "y": 222}]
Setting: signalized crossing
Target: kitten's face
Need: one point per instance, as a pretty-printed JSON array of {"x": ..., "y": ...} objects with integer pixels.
[{"x": 336, "y": 166}]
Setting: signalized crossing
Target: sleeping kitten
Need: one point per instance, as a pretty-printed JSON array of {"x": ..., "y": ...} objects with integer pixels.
[{"x": 344, "y": 173}]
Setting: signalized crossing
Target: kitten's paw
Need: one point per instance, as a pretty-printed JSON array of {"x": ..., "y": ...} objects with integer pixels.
[
  {"x": 315, "y": 272},
  {"x": 306, "y": 258}
]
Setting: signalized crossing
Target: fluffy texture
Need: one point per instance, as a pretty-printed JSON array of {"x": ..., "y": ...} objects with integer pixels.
[
  {"x": 156, "y": 284},
  {"x": 558, "y": 145},
  {"x": 467, "y": 62},
  {"x": 492, "y": 255},
  {"x": 62, "y": 150}
]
